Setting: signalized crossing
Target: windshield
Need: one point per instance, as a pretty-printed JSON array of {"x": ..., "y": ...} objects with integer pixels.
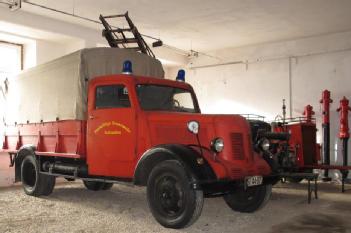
[{"x": 165, "y": 98}]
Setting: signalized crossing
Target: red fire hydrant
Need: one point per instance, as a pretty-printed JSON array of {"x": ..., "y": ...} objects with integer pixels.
[
  {"x": 344, "y": 121},
  {"x": 308, "y": 113},
  {"x": 344, "y": 135}
]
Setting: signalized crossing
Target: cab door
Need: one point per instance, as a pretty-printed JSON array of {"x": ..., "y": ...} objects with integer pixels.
[{"x": 111, "y": 130}]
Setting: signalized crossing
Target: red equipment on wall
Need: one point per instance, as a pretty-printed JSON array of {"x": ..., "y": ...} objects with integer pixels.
[{"x": 344, "y": 134}]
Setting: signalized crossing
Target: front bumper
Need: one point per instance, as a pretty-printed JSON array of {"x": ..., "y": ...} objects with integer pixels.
[{"x": 215, "y": 188}]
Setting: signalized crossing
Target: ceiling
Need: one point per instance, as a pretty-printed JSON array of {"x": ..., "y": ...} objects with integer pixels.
[{"x": 207, "y": 25}]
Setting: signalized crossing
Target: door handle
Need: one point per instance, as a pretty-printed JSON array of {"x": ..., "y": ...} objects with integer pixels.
[{"x": 91, "y": 117}]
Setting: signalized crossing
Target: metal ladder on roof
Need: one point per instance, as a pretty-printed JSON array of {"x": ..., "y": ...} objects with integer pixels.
[{"x": 118, "y": 37}]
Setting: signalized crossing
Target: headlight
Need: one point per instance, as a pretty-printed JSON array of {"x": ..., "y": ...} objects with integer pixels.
[
  {"x": 217, "y": 144},
  {"x": 193, "y": 126},
  {"x": 264, "y": 144}
]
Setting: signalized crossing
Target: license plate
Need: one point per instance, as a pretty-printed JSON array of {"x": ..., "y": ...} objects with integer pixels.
[{"x": 254, "y": 181}]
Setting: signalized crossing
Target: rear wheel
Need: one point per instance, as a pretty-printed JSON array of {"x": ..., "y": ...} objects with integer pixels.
[
  {"x": 34, "y": 183},
  {"x": 249, "y": 200},
  {"x": 107, "y": 186},
  {"x": 97, "y": 185},
  {"x": 295, "y": 180},
  {"x": 172, "y": 201},
  {"x": 93, "y": 185}
]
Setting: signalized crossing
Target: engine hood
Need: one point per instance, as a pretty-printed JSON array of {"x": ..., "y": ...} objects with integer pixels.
[
  {"x": 168, "y": 127},
  {"x": 237, "y": 157}
]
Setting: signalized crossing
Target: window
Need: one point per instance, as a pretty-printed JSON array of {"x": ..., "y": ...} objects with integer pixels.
[
  {"x": 113, "y": 96},
  {"x": 183, "y": 100},
  {"x": 165, "y": 98},
  {"x": 10, "y": 59}
]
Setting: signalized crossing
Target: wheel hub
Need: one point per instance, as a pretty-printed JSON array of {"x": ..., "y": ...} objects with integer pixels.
[
  {"x": 29, "y": 174},
  {"x": 170, "y": 197}
]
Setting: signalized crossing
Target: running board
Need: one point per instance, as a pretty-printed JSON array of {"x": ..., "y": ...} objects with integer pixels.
[{"x": 127, "y": 183}]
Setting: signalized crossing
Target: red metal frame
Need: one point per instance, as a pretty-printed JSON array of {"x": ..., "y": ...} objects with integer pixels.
[
  {"x": 343, "y": 134},
  {"x": 61, "y": 138},
  {"x": 329, "y": 167}
]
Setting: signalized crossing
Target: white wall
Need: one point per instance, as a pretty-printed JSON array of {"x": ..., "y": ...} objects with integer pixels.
[
  {"x": 55, "y": 38},
  {"x": 48, "y": 50},
  {"x": 258, "y": 79},
  {"x": 241, "y": 89}
]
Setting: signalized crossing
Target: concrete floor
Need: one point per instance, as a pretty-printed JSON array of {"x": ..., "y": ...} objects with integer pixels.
[{"x": 72, "y": 208}]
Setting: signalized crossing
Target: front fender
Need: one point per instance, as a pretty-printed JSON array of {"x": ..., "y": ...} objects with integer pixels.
[
  {"x": 22, "y": 152},
  {"x": 185, "y": 154}
]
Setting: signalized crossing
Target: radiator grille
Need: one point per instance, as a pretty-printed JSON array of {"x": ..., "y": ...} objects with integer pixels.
[
  {"x": 236, "y": 173},
  {"x": 237, "y": 146}
]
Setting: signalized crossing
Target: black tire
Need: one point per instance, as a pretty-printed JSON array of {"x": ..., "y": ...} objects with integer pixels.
[
  {"x": 49, "y": 186},
  {"x": 172, "y": 201},
  {"x": 93, "y": 185},
  {"x": 294, "y": 180},
  {"x": 107, "y": 186},
  {"x": 34, "y": 183},
  {"x": 250, "y": 200}
]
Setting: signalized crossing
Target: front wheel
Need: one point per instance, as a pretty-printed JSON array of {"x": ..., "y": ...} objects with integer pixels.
[
  {"x": 249, "y": 200},
  {"x": 172, "y": 201}
]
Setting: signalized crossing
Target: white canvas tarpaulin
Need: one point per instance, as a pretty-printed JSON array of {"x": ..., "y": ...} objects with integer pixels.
[{"x": 58, "y": 89}]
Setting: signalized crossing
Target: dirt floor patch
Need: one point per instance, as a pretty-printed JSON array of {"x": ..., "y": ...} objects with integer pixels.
[
  {"x": 313, "y": 223},
  {"x": 72, "y": 209}
]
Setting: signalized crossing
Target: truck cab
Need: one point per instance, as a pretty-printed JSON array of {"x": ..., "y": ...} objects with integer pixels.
[
  {"x": 129, "y": 116},
  {"x": 150, "y": 132}
]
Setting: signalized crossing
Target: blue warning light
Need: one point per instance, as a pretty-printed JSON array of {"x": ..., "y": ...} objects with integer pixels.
[
  {"x": 181, "y": 76},
  {"x": 127, "y": 67}
]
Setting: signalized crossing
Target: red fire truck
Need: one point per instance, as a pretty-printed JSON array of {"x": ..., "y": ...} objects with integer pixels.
[{"x": 149, "y": 132}]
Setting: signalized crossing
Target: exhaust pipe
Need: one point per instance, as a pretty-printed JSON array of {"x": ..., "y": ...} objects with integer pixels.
[{"x": 66, "y": 169}]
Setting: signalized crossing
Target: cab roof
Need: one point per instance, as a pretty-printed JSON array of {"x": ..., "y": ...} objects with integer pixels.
[{"x": 142, "y": 80}]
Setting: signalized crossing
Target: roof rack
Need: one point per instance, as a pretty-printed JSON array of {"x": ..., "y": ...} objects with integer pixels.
[
  {"x": 295, "y": 120},
  {"x": 253, "y": 117},
  {"x": 117, "y": 37}
]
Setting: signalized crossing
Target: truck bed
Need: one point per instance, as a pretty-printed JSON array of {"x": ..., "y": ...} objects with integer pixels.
[{"x": 60, "y": 138}]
